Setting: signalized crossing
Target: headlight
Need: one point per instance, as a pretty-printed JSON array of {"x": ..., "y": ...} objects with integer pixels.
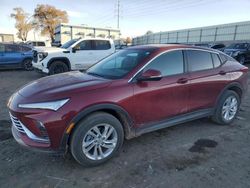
[
  {"x": 53, "y": 105},
  {"x": 42, "y": 55}
]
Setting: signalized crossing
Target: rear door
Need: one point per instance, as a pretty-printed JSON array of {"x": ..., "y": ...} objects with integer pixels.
[
  {"x": 207, "y": 79},
  {"x": 12, "y": 55},
  {"x": 166, "y": 98},
  {"x": 102, "y": 49}
]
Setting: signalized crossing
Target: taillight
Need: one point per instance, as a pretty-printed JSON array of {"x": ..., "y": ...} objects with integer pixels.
[{"x": 244, "y": 69}]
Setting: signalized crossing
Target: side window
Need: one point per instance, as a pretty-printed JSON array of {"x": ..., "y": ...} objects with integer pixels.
[
  {"x": 40, "y": 44},
  {"x": 25, "y": 49},
  {"x": 199, "y": 60},
  {"x": 102, "y": 45},
  {"x": 11, "y": 48},
  {"x": 2, "y": 48},
  {"x": 216, "y": 60},
  {"x": 170, "y": 63},
  {"x": 84, "y": 45}
]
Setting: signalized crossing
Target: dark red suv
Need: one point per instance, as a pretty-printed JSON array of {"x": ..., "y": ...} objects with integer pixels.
[{"x": 134, "y": 91}]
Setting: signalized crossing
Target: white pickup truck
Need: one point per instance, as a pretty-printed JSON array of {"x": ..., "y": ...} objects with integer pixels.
[{"x": 76, "y": 54}]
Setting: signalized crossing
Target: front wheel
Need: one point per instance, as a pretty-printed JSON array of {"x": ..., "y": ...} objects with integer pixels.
[
  {"x": 96, "y": 139},
  {"x": 27, "y": 65},
  {"x": 227, "y": 108},
  {"x": 58, "y": 67}
]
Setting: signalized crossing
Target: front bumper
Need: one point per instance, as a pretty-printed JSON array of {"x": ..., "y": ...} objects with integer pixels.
[
  {"x": 40, "y": 68},
  {"x": 27, "y": 143}
]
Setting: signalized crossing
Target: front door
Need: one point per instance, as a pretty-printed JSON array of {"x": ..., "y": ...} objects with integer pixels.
[
  {"x": 83, "y": 55},
  {"x": 166, "y": 98}
]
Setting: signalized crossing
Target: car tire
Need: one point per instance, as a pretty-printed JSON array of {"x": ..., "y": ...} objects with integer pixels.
[
  {"x": 27, "y": 64},
  {"x": 58, "y": 67},
  {"x": 226, "y": 110},
  {"x": 85, "y": 142},
  {"x": 242, "y": 59}
]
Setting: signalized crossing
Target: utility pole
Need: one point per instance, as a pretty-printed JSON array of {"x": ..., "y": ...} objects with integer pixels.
[{"x": 118, "y": 14}]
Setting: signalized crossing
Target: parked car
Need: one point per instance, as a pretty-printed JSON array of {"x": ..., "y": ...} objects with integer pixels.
[
  {"x": 220, "y": 47},
  {"x": 76, "y": 54},
  {"x": 206, "y": 45},
  {"x": 15, "y": 56},
  {"x": 239, "y": 51},
  {"x": 36, "y": 43},
  {"x": 134, "y": 91}
]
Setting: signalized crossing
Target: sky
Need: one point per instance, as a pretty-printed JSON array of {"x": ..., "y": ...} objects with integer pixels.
[{"x": 136, "y": 16}]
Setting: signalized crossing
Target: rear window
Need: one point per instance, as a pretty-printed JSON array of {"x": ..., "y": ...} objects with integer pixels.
[
  {"x": 102, "y": 44},
  {"x": 199, "y": 60}
]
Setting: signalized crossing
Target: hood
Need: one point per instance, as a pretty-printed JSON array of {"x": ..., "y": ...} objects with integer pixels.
[
  {"x": 49, "y": 49},
  {"x": 58, "y": 85}
]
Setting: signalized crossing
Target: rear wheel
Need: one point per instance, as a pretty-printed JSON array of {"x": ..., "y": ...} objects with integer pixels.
[
  {"x": 58, "y": 67},
  {"x": 242, "y": 59},
  {"x": 227, "y": 108},
  {"x": 27, "y": 65},
  {"x": 96, "y": 139}
]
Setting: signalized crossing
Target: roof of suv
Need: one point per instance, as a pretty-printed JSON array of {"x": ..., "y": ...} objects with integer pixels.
[{"x": 171, "y": 46}]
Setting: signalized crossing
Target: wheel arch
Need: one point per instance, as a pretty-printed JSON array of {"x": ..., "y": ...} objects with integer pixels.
[
  {"x": 63, "y": 59},
  {"x": 234, "y": 86},
  {"x": 113, "y": 109}
]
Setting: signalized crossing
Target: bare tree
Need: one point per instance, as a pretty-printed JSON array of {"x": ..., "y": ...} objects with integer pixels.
[
  {"x": 47, "y": 18},
  {"x": 23, "y": 23}
]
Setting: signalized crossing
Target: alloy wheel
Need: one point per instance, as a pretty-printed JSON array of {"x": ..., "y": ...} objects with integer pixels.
[
  {"x": 99, "y": 142},
  {"x": 229, "y": 108}
]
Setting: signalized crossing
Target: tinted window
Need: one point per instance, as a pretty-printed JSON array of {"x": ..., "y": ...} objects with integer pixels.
[
  {"x": 40, "y": 44},
  {"x": 2, "y": 48},
  {"x": 225, "y": 58},
  {"x": 102, "y": 44},
  {"x": 11, "y": 48},
  {"x": 199, "y": 60},
  {"x": 216, "y": 60},
  {"x": 119, "y": 64},
  {"x": 25, "y": 48},
  {"x": 84, "y": 45},
  {"x": 169, "y": 63}
]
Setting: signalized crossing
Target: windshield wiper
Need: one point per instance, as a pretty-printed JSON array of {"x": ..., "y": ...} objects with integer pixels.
[{"x": 94, "y": 74}]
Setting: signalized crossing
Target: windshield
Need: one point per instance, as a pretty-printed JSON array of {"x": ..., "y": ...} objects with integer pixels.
[
  {"x": 238, "y": 46},
  {"x": 119, "y": 64},
  {"x": 69, "y": 43}
]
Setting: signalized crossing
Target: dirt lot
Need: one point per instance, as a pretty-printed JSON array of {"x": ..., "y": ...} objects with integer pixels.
[{"x": 194, "y": 154}]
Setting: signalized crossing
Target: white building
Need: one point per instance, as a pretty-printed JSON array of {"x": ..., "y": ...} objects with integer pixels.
[
  {"x": 226, "y": 33},
  {"x": 66, "y": 32}
]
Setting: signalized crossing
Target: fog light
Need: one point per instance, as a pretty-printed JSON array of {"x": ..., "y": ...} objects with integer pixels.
[{"x": 42, "y": 129}]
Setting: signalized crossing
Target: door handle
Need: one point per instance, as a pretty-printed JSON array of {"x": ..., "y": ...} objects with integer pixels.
[
  {"x": 182, "y": 81},
  {"x": 222, "y": 73}
]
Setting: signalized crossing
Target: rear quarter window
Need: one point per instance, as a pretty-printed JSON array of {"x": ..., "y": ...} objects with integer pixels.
[
  {"x": 199, "y": 60},
  {"x": 216, "y": 60},
  {"x": 102, "y": 44},
  {"x": 224, "y": 58}
]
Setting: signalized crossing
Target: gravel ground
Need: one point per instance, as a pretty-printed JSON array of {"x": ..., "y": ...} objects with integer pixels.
[{"x": 194, "y": 154}]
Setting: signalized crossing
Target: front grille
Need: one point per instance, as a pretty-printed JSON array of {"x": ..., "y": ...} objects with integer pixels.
[
  {"x": 17, "y": 124},
  {"x": 35, "y": 57}
]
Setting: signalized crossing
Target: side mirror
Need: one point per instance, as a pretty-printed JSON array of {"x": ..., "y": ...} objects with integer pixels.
[
  {"x": 73, "y": 50},
  {"x": 150, "y": 75}
]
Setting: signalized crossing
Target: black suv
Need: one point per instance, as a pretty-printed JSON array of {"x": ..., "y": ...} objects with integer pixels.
[{"x": 239, "y": 51}]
